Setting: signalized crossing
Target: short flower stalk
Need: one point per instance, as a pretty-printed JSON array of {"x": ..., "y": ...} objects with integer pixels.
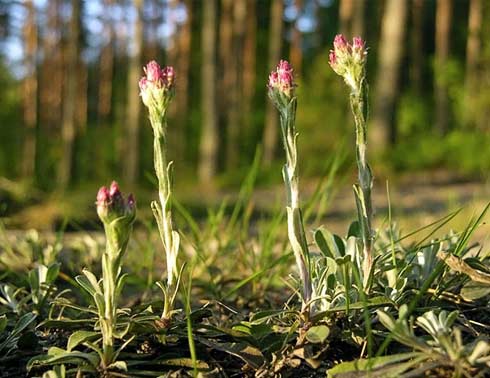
[
  {"x": 156, "y": 90},
  {"x": 349, "y": 60},
  {"x": 282, "y": 93},
  {"x": 117, "y": 214}
]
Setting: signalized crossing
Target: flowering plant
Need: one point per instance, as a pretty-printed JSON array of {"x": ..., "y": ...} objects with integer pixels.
[
  {"x": 349, "y": 60},
  {"x": 117, "y": 214},
  {"x": 157, "y": 89},
  {"x": 282, "y": 93}
]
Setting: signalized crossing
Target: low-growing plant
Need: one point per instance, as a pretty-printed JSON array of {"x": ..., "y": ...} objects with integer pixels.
[
  {"x": 156, "y": 92},
  {"x": 282, "y": 93}
]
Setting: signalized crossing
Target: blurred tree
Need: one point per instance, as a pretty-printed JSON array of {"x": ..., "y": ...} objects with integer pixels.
[
  {"x": 346, "y": 13},
  {"x": 208, "y": 151},
  {"x": 359, "y": 18},
  {"x": 270, "y": 136},
  {"x": 184, "y": 61},
  {"x": 51, "y": 88},
  {"x": 178, "y": 55},
  {"x": 249, "y": 63},
  {"x": 226, "y": 66},
  {"x": 473, "y": 50},
  {"x": 30, "y": 91},
  {"x": 234, "y": 123},
  {"x": 131, "y": 145},
  {"x": 70, "y": 97},
  {"x": 295, "y": 50},
  {"x": 352, "y": 17},
  {"x": 417, "y": 45},
  {"x": 391, "y": 50},
  {"x": 443, "y": 28},
  {"x": 106, "y": 66}
]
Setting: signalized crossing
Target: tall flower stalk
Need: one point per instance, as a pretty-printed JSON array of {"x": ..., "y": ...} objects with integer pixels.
[
  {"x": 117, "y": 215},
  {"x": 157, "y": 89},
  {"x": 282, "y": 93},
  {"x": 349, "y": 61}
]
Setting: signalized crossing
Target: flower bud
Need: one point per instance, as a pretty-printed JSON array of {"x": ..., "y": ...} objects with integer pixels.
[
  {"x": 156, "y": 88},
  {"x": 282, "y": 79},
  {"x": 349, "y": 60},
  {"x": 112, "y": 206},
  {"x": 281, "y": 84}
]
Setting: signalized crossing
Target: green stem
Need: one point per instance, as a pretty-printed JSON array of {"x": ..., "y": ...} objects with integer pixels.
[
  {"x": 358, "y": 100},
  {"x": 164, "y": 216},
  {"x": 296, "y": 231},
  {"x": 110, "y": 272}
]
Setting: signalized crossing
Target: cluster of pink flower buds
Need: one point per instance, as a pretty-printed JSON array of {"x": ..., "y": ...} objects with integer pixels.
[
  {"x": 348, "y": 60},
  {"x": 281, "y": 80},
  {"x": 156, "y": 88},
  {"x": 111, "y": 204}
]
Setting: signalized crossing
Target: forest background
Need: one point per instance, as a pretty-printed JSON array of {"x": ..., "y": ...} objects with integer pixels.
[{"x": 71, "y": 118}]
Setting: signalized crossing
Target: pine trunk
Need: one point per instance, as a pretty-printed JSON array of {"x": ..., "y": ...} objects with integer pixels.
[
  {"x": 30, "y": 92},
  {"x": 106, "y": 69},
  {"x": 443, "y": 27},
  {"x": 391, "y": 50},
  {"x": 249, "y": 65},
  {"x": 234, "y": 122},
  {"x": 69, "y": 101},
  {"x": 473, "y": 48},
  {"x": 296, "y": 52},
  {"x": 209, "y": 139},
  {"x": 417, "y": 45},
  {"x": 275, "y": 43},
  {"x": 131, "y": 149}
]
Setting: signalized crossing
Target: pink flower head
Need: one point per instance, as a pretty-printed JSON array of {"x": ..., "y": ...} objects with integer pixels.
[
  {"x": 103, "y": 196},
  {"x": 143, "y": 84},
  {"x": 282, "y": 79},
  {"x": 114, "y": 190},
  {"x": 332, "y": 58},
  {"x": 169, "y": 75},
  {"x": 131, "y": 200},
  {"x": 157, "y": 86},
  {"x": 111, "y": 204},
  {"x": 340, "y": 43},
  {"x": 159, "y": 77},
  {"x": 153, "y": 72},
  {"x": 348, "y": 60},
  {"x": 358, "y": 43}
]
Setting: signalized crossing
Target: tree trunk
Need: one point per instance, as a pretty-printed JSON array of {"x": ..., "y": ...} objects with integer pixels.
[
  {"x": 275, "y": 43},
  {"x": 182, "y": 84},
  {"x": 226, "y": 60},
  {"x": 296, "y": 52},
  {"x": 473, "y": 48},
  {"x": 30, "y": 92},
  {"x": 209, "y": 138},
  {"x": 417, "y": 45},
  {"x": 106, "y": 68},
  {"x": 234, "y": 122},
  {"x": 249, "y": 66},
  {"x": 387, "y": 79},
  {"x": 70, "y": 93},
  {"x": 443, "y": 25},
  {"x": 359, "y": 17},
  {"x": 51, "y": 88},
  {"x": 131, "y": 149},
  {"x": 346, "y": 15},
  {"x": 82, "y": 100}
]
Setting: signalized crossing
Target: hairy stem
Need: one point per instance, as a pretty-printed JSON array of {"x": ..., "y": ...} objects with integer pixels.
[
  {"x": 358, "y": 100},
  {"x": 164, "y": 215},
  {"x": 296, "y": 231}
]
